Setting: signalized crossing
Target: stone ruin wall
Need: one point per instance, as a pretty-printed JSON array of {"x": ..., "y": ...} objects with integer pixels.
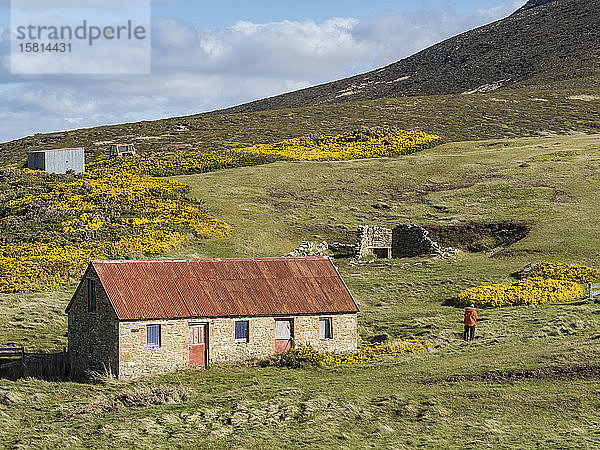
[
  {"x": 404, "y": 241},
  {"x": 412, "y": 240},
  {"x": 372, "y": 236}
]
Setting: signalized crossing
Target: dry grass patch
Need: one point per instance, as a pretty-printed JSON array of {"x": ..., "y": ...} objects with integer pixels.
[{"x": 135, "y": 397}]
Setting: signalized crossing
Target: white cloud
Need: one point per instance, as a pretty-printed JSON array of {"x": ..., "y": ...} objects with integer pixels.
[
  {"x": 198, "y": 70},
  {"x": 500, "y": 11},
  {"x": 272, "y": 50}
]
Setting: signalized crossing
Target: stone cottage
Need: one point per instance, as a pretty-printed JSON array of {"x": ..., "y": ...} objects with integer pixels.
[{"x": 131, "y": 318}]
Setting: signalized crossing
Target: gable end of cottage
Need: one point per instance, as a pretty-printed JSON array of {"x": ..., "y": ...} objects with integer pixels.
[{"x": 93, "y": 336}]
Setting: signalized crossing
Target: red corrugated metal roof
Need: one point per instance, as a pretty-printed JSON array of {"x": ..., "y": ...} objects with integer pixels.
[{"x": 170, "y": 289}]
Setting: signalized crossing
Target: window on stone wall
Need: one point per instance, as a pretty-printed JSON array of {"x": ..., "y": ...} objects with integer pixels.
[
  {"x": 241, "y": 331},
  {"x": 325, "y": 329},
  {"x": 91, "y": 295},
  {"x": 153, "y": 335}
]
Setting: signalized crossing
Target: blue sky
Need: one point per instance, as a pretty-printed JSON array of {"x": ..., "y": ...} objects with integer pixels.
[
  {"x": 210, "y": 55},
  {"x": 205, "y": 15}
]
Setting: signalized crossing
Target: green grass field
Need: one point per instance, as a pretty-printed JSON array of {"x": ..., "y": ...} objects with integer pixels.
[{"x": 530, "y": 379}]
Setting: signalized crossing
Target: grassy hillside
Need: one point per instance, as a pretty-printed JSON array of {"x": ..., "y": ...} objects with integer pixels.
[
  {"x": 454, "y": 117},
  {"x": 548, "y": 182},
  {"x": 531, "y": 377}
]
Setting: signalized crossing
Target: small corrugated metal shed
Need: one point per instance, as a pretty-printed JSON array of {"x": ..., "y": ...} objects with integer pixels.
[
  {"x": 59, "y": 160},
  {"x": 223, "y": 287}
]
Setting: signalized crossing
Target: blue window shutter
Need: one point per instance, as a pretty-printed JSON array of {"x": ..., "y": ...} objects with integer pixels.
[
  {"x": 153, "y": 335},
  {"x": 241, "y": 330}
]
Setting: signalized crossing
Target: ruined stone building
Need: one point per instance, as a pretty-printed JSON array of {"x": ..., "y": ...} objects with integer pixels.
[
  {"x": 412, "y": 240},
  {"x": 374, "y": 241},
  {"x": 402, "y": 241},
  {"x": 118, "y": 150},
  {"x": 131, "y": 318}
]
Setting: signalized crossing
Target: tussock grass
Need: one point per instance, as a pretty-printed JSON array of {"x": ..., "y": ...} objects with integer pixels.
[{"x": 133, "y": 397}]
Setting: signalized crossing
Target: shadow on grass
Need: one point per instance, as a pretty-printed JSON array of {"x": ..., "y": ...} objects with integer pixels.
[
  {"x": 451, "y": 302},
  {"x": 44, "y": 366}
]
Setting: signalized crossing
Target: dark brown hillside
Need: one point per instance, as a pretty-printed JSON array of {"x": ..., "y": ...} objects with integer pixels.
[
  {"x": 533, "y": 4},
  {"x": 545, "y": 43}
]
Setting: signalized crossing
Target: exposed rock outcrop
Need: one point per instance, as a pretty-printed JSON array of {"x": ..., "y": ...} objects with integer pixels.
[{"x": 309, "y": 248}]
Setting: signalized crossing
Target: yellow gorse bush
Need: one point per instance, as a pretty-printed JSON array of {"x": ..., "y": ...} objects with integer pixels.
[
  {"x": 32, "y": 266},
  {"x": 114, "y": 214},
  {"x": 374, "y": 142},
  {"x": 528, "y": 291},
  {"x": 85, "y": 222},
  {"x": 561, "y": 271},
  {"x": 309, "y": 356},
  {"x": 183, "y": 162}
]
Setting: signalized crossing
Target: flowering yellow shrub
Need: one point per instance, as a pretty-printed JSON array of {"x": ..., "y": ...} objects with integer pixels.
[
  {"x": 308, "y": 356},
  {"x": 105, "y": 213},
  {"x": 184, "y": 162},
  {"x": 85, "y": 222},
  {"x": 528, "y": 291},
  {"x": 364, "y": 142},
  {"x": 561, "y": 271},
  {"x": 33, "y": 266}
]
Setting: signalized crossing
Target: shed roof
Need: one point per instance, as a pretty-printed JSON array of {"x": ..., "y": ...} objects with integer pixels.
[
  {"x": 224, "y": 287},
  {"x": 55, "y": 150}
]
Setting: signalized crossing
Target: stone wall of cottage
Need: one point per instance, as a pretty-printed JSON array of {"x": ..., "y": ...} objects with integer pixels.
[
  {"x": 93, "y": 338},
  {"x": 400, "y": 242},
  {"x": 344, "y": 328},
  {"x": 136, "y": 358},
  {"x": 222, "y": 344},
  {"x": 261, "y": 337}
]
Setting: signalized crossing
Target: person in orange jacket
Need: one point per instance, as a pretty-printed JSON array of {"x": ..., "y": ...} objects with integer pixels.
[{"x": 470, "y": 322}]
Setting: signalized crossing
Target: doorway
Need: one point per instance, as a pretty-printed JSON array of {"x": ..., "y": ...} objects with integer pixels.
[
  {"x": 284, "y": 335},
  {"x": 198, "y": 344}
]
